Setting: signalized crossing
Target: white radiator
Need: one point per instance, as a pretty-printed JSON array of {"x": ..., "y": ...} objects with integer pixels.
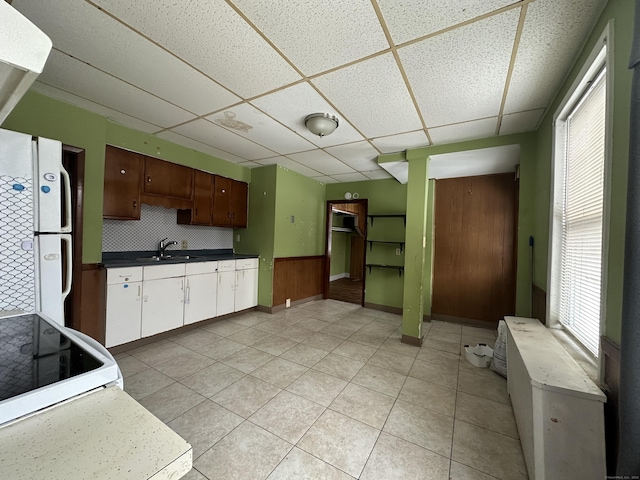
[{"x": 559, "y": 410}]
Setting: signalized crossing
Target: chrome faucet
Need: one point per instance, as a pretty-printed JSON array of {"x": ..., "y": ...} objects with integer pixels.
[{"x": 163, "y": 246}]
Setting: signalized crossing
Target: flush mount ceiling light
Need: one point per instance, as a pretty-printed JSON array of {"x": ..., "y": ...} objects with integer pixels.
[{"x": 321, "y": 124}]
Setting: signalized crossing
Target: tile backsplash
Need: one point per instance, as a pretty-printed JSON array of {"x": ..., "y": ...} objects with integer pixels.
[{"x": 155, "y": 224}]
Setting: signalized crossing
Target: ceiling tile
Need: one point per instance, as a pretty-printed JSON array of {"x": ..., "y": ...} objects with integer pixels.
[
  {"x": 71, "y": 75},
  {"x": 250, "y": 164},
  {"x": 130, "y": 56},
  {"x": 377, "y": 174},
  {"x": 551, "y": 38},
  {"x": 325, "y": 179},
  {"x": 199, "y": 146},
  {"x": 370, "y": 94},
  {"x": 109, "y": 113},
  {"x": 401, "y": 142},
  {"x": 317, "y": 36},
  {"x": 251, "y": 123},
  {"x": 290, "y": 164},
  {"x": 291, "y": 105},
  {"x": 461, "y": 132},
  {"x": 211, "y": 134},
  {"x": 226, "y": 48},
  {"x": 350, "y": 177},
  {"x": 521, "y": 122},
  {"x": 483, "y": 161},
  {"x": 411, "y": 19},
  {"x": 321, "y": 161},
  {"x": 460, "y": 75},
  {"x": 359, "y": 156}
]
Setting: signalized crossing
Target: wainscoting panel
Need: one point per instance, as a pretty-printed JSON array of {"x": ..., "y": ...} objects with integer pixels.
[{"x": 297, "y": 278}]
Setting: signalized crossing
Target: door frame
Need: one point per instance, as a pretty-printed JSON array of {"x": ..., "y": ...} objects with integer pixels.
[{"x": 327, "y": 245}]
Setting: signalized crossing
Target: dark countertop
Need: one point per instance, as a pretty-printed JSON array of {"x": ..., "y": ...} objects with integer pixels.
[{"x": 144, "y": 257}]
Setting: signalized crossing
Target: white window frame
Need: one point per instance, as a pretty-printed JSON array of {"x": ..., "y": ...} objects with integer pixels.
[{"x": 597, "y": 59}]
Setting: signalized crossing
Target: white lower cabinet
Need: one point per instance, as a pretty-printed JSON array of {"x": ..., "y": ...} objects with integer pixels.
[
  {"x": 162, "y": 298},
  {"x": 201, "y": 292},
  {"x": 226, "y": 288},
  {"x": 246, "y": 291},
  {"x": 124, "y": 305}
]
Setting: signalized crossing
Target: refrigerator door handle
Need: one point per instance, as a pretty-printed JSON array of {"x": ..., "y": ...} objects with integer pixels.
[
  {"x": 69, "y": 258},
  {"x": 66, "y": 227}
]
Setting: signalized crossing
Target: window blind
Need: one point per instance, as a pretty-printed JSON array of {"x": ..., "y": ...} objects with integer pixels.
[{"x": 582, "y": 214}]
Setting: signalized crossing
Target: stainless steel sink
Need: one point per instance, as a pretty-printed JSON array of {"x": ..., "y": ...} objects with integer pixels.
[{"x": 155, "y": 258}]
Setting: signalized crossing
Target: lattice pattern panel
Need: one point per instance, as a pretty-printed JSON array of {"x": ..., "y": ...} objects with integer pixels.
[
  {"x": 17, "y": 271},
  {"x": 16, "y": 366},
  {"x": 155, "y": 224}
]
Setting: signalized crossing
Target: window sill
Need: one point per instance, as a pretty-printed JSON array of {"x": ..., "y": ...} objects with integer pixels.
[{"x": 588, "y": 363}]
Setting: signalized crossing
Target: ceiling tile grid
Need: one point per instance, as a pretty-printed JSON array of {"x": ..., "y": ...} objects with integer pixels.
[
  {"x": 461, "y": 132},
  {"x": 402, "y": 141},
  {"x": 321, "y": 161},
  {"x": 521, "y": 121}
]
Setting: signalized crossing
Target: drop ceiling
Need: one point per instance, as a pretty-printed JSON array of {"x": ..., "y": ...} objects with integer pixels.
[{"x": 236, "y": 78}]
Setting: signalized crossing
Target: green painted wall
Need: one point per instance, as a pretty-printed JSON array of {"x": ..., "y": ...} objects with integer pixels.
[
  {"x": 621, "y": 11},
  {"x": 302, "y": 198},
  {"x": 428, "y": 258}
]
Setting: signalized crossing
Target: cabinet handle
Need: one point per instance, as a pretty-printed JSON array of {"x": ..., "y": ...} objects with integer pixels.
[
  {"x": 135, "y": 204},
  {"x": 148, "y": 179},
  {"x": 123, "y": 171},
  {"x": 145, "y": 298},
  {"x": 139, "y": 292}
]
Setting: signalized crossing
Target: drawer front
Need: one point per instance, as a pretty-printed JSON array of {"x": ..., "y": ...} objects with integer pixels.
[
  {"x": 197, "y": 268},
  {"x": 124, "y": 275},
  {"x": 246, "y": 263},
  {"x": 164, "y": 271},
  {"x": 226, "y": 265}
]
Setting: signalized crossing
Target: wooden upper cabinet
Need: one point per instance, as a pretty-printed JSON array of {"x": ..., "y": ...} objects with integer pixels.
[
  {"x": 238, "y": 206},
  {"x": 221, "y": 201},
  {"x": 201, "y": 211},
  {"x": 122, "y": 183},
  {"x": 167, "y": 179}
]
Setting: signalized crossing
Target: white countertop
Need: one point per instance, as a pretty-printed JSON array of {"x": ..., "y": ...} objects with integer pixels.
[{"x": 105, "y": 434}]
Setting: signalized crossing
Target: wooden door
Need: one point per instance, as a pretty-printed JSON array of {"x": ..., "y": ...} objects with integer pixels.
[
  {"x": 221, "y": 201},
  {"x": 238, "y": 204},
  {"x": 356, "y": 266},
  {"x": 122, "y": 178},
  {"x": 167, "y": 179},
  {"x": 474, "y": 273},
  {"x": 202, "y": 198}
]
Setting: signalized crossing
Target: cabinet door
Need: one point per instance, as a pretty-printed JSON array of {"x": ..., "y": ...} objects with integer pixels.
[
  {"x": 167, "y": 179},
  {"x": 122, "y": 182},
  {"x": 200, "y": 297},
  {"x": 246, "y": 293},
  {"x": 226, "y": 287},
  {"x": 162, "y": 305},
  {"x": 123, "y": 313},
  {"x": 221, "y": 201},
  {"x": 238, "y": 207},
  {"x": 202, "y": 198}
]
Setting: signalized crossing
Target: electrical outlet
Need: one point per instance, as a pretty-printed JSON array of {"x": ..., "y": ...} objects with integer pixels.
[
  {"x": 287, "y": 303},
  {"x": 185, "y": 245},
  {"x": 398, "y": 252}
]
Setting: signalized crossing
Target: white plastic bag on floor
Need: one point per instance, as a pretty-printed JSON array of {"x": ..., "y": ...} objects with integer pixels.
[{"x": 499, "y": 360}]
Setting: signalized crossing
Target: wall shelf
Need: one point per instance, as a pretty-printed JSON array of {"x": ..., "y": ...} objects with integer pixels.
[
  {"x": 399, "y": 215},
  {"x": 371, "y": 242},
  {"x": 400, "y": 268}
]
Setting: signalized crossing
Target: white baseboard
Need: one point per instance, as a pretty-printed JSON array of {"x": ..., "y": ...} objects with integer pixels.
[{"x": 338, "y": 276}]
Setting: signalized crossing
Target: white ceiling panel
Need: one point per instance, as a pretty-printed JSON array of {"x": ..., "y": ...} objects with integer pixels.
[
  {"x": 199, "y": 146},
  {"x": 350, "y": 177},
  {"x": 110, "y": 114},
  {"x": 293, "y": 104},
  {"x": 377, "y": 174},
  {"x": 553, "y": 34},
  {"x": 360, "y": 155},
  {"x": 211, "y": 134},
  {"x": 460, "y": 75},
  {"x": 71, "y": 75},
  {"x": 464, "y": 131},
  {"x": 521, "y": 122},
  {"x": 484, "y": 161},
  {"x": 401, "y": 142},
  {"x": 409, "y": 19},
  {"x": 325, "y": 179},
  {"x": 322, "y": 162},
  {"x": 251, "y": 123},
  {"x": 371, "y": 94},
  {"x": 129, "y": 57},
  {"x": 212, "y": 37},
  {"x": 317, "y": 36},
  {"x": 290, "y": 164}
]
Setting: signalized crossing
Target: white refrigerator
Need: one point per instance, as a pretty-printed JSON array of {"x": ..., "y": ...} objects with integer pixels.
[{"x": 35, "y": 227}]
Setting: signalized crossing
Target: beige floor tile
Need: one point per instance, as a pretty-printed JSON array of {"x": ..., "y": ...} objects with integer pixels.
[
  {"x": 247, "y": 360},
  {"x": 491, "y": 388},
  {"x": 130, "y": 365},
  {"x": 341, "y": 441},
  {"x": 394, "y": 345},
  {"x": 246, "y": 396},
  {"x": 147, "y": 346},
  {"x": 421, "y": 426},
  {"x": 146, "y": 382},
  {"x": 212, "y": 379},
  {"x": 462, "y": 472},
  {"x": 274, "y": 345},
  {"x": 340, "y": 331},
  {"x": 438, "y": 357},
  {"x": 373, "y": 338},
  {"x": 444, "y": 336},
  {"x": 304, "y": 355},
  {"x": 160, "y": 353},
  {"x": 433, "y": 397},
  {"x": 195, "y": 338},
  {"x": 466, "y": 366},
  {"x": 249, "y": 452},
  {"x": 280, "y": 372},
  {"x": 249, "y": 336},
  {"x": 392, "y": 361},
  {"x": 367, "y": 406},
  {"x": 323, "y": 341},
  {"x": 224, "y": 328},
  {"x": 486, "y": 413},
  {"x": 354, "y": 350},
  {"x": 380, "y": 380},
  {"x": 439, "y": 344},
  {"x": 395, "y": 459},
  {"x": 299, "y": 465},
  {"x": 171, "y": 401},
  {"x": 288, "y": 416},
  {"x": 194, "y": 474},
  {"x": 204, "y": 425},
  {"x": 220, "y": 349},
  {"x": 313, "y": 324},
  {"x": 339, "y": 366},
  {"x": 446, "y": 327},
  {"x": 296, "y": 333},
  {"x": 489, "y": 333},
  {"x": 489, "y": 452},
  {"x": 317, "y": 387},
  {"x": 249, "y": 319},
  {"x": 273, "y": 325},
  {"x": 184, "y": 365},
  {"x": 447, "y": 376}
]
